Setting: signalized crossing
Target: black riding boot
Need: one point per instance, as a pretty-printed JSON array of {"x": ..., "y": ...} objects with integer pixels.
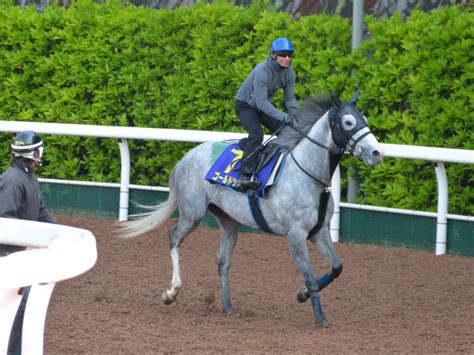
[{"x": 248, "y": 180}]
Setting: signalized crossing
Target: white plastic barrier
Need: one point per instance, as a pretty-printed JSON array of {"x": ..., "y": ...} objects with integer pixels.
[{"x": 55, "y": 252}]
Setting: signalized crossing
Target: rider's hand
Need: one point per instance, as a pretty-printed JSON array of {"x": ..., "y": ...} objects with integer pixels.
[{"x": 288, "y": 120}]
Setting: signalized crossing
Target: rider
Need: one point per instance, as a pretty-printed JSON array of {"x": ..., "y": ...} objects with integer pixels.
[
  {"x": 20, "y": 195},
  {"x": 254, "y": 104},
  {"x": 20, "y": 198}
]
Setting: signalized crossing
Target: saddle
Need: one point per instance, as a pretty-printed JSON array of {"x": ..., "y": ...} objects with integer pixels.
[
  {"x": 226, "y": 167},
  {"x": 226, "y": 171},
  {"x": 265, "y": 154}
]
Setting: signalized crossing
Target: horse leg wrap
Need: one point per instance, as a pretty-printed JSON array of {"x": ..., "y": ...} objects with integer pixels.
[
  {"x": 303, "y": 294},
  {"x": 325, "y": 280},
  {"x": 329, "y": 277},
  {"x": 318, "y": 309}
]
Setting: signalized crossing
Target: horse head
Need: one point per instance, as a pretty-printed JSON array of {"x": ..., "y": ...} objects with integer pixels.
[{"x": 350, "y": 131}]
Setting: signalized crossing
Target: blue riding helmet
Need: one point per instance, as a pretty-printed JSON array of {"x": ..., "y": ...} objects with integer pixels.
[{"x": 282, "y": 44}]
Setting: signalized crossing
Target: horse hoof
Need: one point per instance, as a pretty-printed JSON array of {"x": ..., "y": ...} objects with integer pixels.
[
  {"x": 302, "y": 295},
  {"x": 165, "y": 299},
  {"x": 323, "y": 323},
  {"x": 231, "y": 311}
]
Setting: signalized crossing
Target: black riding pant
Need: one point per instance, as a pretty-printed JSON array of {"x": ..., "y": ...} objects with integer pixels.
[{"x": 253, "y": 120}]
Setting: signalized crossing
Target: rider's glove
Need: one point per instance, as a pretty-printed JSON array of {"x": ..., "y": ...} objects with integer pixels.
[
  {"x": 293, "y": 111},
  {"x": 288, "y": 120}
]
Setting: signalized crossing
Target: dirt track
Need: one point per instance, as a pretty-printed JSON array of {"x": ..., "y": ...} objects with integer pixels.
[{"x": 386, "y": 300}]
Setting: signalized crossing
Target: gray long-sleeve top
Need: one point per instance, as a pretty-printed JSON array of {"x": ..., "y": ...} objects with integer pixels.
[
  {"x": 20, "y": 196},
  {"x": 260, "y": 87}
]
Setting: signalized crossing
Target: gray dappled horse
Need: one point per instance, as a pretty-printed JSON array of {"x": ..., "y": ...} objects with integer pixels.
[{"x": 322, "y": 131}]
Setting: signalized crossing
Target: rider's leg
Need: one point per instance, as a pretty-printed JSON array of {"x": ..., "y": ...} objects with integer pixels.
[
  {"x": 249, "y": 118},
  {"x": 250, "y": 165},
  {"x": 271, "y": 123}
]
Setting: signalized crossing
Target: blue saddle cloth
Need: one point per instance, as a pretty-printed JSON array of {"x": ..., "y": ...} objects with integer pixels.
[{"x": 225, "y": 170}]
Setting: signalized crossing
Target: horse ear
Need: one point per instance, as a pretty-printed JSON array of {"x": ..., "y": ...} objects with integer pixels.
[
  {"x": 336, "y": 101},
  {"x": 356, "y": 97}
]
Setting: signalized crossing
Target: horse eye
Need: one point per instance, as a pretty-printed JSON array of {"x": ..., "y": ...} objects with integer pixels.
[{"x": 348, "y": 122}]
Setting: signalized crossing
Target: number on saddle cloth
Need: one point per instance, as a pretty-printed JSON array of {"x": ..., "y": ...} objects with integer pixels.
[{"x": 226, "y": 166}]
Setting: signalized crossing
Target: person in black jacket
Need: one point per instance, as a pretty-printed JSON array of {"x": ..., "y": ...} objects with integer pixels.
[
  {"x": 254, "y": 103},
  {"x": 20, "y": 198}
]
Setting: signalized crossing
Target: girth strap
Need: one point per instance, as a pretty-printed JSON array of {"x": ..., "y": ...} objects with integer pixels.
[
  {"x": 323, "y": 207},
  {"x": 257, "y": 212}
]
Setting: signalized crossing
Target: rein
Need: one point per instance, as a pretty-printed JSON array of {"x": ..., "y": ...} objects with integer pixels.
[
  {"x": 334, "y": 154},
  {"x": 309, "y": 138},
  {"x": 327, "y": 186},
  {"x": 338, "y": 153},
  {"x": 324, "y": 196},
  {"x": 341, "y": 139}
]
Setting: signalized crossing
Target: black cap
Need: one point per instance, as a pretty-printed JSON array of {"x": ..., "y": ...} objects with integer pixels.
[{"x": 26, "y": 141}]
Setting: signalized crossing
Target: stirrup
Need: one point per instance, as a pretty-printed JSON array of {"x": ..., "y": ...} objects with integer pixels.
[{"x": 245, "y": 183}]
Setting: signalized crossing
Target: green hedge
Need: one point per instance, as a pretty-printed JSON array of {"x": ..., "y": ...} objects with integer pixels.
[
  {"x": 417, "y": 78},
  {"x": 112, "y": 64}
]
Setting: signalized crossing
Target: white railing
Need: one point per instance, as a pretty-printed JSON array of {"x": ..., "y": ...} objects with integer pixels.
[
  {"x": 54, "y": 253},
  {"x": 437, "y": 155}
]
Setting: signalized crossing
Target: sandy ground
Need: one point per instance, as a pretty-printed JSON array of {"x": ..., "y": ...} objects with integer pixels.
[{"x": 386, "y": 300}]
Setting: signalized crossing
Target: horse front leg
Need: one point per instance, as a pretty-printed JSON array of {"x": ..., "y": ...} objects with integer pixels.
[
  {"x": 299, "y": 250},
  {"x": 324, "y": 244}
]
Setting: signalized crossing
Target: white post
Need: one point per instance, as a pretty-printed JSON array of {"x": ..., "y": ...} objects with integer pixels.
[
  {"x": 357, "y": 21},
  {"x": 32, "y": 338},
  {"x": 334, "y": 224},
  {"x": 124, "y": 179},
  {"x": 442, "y": 219},
  {"x": 357, "y": 30},
  {"x": 9, "y": 302}
]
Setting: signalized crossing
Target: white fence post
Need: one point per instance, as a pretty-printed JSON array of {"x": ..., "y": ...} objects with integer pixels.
[
  {"x": 441, "y": 219},
  {"x": 124, "y": 180},
  {"x": 334, "y": 225}
]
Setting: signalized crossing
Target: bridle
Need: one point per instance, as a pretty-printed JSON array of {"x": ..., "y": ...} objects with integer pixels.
[{"x": 346, "y": 140}]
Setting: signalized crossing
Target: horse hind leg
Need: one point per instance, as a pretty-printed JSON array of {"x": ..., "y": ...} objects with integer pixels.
[
  {"x": 229, "y": 231},
  {"x": 176, "y": 236}
]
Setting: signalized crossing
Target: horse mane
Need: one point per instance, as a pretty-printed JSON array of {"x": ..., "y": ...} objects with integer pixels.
[{"x": 312, "y": 109}]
